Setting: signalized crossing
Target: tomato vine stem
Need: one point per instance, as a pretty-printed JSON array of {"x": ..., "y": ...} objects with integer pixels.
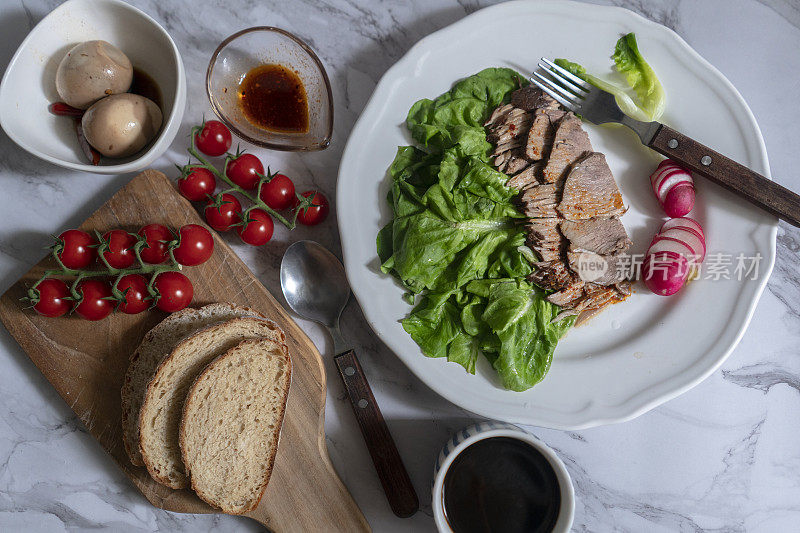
[{"x": 194, "y": 152}]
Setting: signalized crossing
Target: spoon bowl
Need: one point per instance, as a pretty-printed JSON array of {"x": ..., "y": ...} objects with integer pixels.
[{"x": 314, "y": 283}]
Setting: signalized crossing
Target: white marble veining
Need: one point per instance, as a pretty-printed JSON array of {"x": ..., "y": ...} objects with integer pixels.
[{"x": 723, "y": 457}]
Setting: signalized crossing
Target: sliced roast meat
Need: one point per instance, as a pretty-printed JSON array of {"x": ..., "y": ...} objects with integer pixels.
[
  {"x": 531, "y": 97},
  {"x": 569, "y": 294},
  {"x": 623, "y": 289},
  {"x": 541, "y": 133},
  {"x": 599, "y": 235},
  {"x": 500, "y": 160},
  {"x": 594, "y": 297},
  {"x": 525, "y": 179},
  {"x": 507, "y": 146},
  {"x": 552, "y": 275},
  {"x": 498, "y": 114},
  {"x": 570, "y": 143},
  {"x": 539, "y": 201},
  {"x": 568, "y": 195},
  {"x": 590, "y": 190},
  {"x": 599, "y": 269},
  {"x": 516, "y": 163},
  {"x": 545, "y": 239},
  {"x": 511, "y": 125}
]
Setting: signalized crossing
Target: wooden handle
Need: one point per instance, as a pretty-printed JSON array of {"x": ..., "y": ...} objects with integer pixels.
[
  {"x": 388, "y": 463},
  {"x": 737, "y": 178}
]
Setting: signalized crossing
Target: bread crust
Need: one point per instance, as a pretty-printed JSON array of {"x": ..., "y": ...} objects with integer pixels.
[
  {"x": 130, "y": 415},
  {"x": 148, "y": 397},
  {"x": 277, "y": 432}
]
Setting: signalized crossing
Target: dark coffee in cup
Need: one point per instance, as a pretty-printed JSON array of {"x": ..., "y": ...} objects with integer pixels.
[{"x": 501, "y": 484}]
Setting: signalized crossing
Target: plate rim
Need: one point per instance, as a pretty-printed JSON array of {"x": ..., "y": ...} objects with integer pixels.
[{"x": 628, "y": 409}]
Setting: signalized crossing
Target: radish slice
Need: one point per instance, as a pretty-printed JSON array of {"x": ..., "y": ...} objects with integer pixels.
[
  {"x": 685, "y": 222},
  {"x": 690, "y": 238},
  {"x": 668, "y": 244},
  {"x": 665, "y": 273},
  {"x": 674, "y": 188}
]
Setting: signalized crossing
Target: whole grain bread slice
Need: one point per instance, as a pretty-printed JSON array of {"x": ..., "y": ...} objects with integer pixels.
[
  {"x": 231, "y": 424},
  {"x": 155, "y": 346},
  {"x": 160, "y": 415}
]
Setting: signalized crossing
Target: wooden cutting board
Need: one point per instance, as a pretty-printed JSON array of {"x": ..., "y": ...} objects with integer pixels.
[{"x": 86, "y": 361}]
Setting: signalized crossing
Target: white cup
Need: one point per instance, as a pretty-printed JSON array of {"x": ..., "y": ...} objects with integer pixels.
[{"x": 484, "y": 430}]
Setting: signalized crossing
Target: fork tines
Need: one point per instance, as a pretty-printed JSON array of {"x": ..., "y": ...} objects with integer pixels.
[{"x": 568, "y": 89}]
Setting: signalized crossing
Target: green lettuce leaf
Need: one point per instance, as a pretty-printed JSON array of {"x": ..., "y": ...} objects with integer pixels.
[
  {"x": 521, "y": 318},
  {"x": 455, "y": 239},
  {"x": 640, "y": 76},
  {"x": 637, "y": 73}
]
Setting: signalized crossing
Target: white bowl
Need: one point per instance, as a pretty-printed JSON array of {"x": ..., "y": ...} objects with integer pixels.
[
  {"x": 28, "y": 85},
  {"x": 484, "y": 430}
]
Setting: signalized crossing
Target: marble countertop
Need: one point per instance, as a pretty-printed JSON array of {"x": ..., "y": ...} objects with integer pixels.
[{"x": 725, "y": 456}]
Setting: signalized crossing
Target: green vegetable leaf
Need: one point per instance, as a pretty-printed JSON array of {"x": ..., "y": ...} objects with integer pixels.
[
  {"x": 522, "y": 320},
  {"x": 455, "y": 239},
  {"x": 638, "y": 75}
]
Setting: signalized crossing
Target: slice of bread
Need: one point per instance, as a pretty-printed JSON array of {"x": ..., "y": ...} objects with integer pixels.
[
  {"x": 155, "y": 346},
  {"x": 160, "y": 415},
  {"x": 232, "y": 421}
]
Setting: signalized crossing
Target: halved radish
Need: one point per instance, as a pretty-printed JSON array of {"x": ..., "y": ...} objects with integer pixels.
[
  {"x": 665, "y": 272},
  {"x": 689, "y": 237},
  {"x": 684, "y": 222},
  {"x": 674, "y": 188}
]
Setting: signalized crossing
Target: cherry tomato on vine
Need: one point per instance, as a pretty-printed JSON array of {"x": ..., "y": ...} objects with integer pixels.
[
  {"x": 278, "y": 193},
  {"x": 315, "y": 214},
  {"x": 157, "y": 236},
  {"x": 78, "y": 251},
  {"x": 94, "y": 305},
  {"x": 53, "y": 301},
  {"x": 119, "y": 253},
  {"x": 137, "y": 299},
  {"x": 223, "y": 217},
  {"x": 214, "y": 138},
  {"x": 244, "y": 171},
  {"x": 198, "y": 184},
  {"x": 195, "y": 247},
  {"x": 175, "y": 291},
  {"x": 258, "y": 231}
]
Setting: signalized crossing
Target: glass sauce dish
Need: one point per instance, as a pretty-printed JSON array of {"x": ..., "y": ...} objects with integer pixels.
[{"x": 252, "y": 51}]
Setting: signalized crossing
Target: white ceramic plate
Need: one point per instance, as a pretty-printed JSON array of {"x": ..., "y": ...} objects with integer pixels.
[{"x": 637, "y": 354}]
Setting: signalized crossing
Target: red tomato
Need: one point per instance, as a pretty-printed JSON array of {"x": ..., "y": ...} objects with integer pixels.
[
  {"x": 155, "y": 252},
  {"x": 137, "y": 299},
  {"x": 214, "y": 139},
  {"x": 258, "y": 231},
  {"x": 315, "y": 214},
  {"x": 198, "y": 184},
  {"x": 195, "y": 247},
  {"x": 94, "y": 305},
  {"x": 278, "y": 193},
  {"x": 244, "y": 171},
  {"x": 78, "y": 252},
  {"x": 175, "y": 291},
  {"x": 223, "y": 217},
  {"x": 120, "y": 252},
  {"x": 52, "y": 298}
]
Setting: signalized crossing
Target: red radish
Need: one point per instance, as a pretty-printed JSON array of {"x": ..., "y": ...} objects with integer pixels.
[
  {"x": 665, "y": 273},
  {"x": 673, "y": 187},
  {"x": 668, "y": 244},
  {"x": 690, "y": 238},
  {"x": 679, "y": 245},
  {"x": 685, "y": 222}
]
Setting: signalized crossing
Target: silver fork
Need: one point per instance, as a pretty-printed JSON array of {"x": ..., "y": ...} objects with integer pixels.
[{"x": 600, "y": 107}]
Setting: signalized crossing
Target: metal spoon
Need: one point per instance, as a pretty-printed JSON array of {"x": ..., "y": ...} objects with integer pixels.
[{"x": 315, "y": 287}]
